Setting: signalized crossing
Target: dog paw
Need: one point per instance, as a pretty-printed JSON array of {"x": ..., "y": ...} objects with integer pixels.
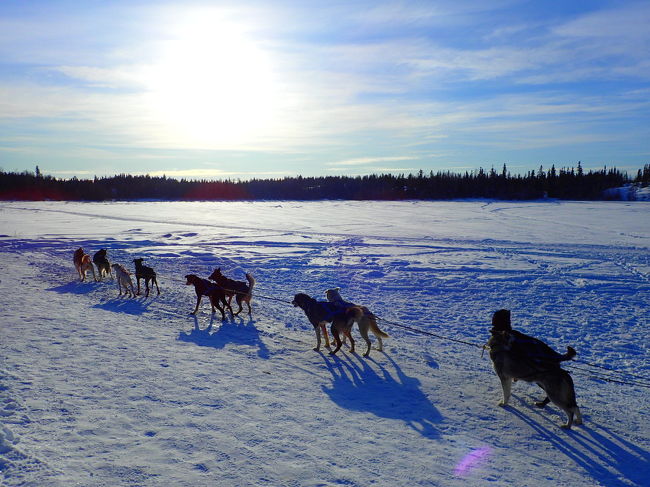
[
  {"x": 566, "y": 426},
  {"x": 502, "y": 404},
  {"x": 540, "y": 404},
  {"x": 316, "y": 349}
]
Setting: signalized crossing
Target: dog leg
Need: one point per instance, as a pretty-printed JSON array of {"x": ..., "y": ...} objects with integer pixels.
[
  {"x": 506, "y": 385},
  {"x": 222, "y": 308},
  {"x": 569, "y": 423},
  {"x": 226, "y": 305},
  {"x": 378, "y": 333},
  {"x": 578, "y": 414},
  {"x": 349, "y": 335},
  {"x": 198, "y": 301},
  {"x": 317, "y": 329},
  {"x": 337, "y": 338},
  {"x": 155, "y": 281},
  {"x": 323, "y": 326},
  {"x": 137, "y": 278},
  {"x": 543, "y": 402},
  {"x": 363, "y": 330},
  {"x": 238, "y": 299}
]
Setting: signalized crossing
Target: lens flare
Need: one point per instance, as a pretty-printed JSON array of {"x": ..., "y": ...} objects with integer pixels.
[{"x": 472, "y": 460}]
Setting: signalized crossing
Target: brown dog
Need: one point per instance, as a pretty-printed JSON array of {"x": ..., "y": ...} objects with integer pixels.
[
  {"x": 242, "y": 291},
  {"x": 82, "y": 263},
  {"x": 203, "y": 287},
  {"x": 319, "y": 313}
]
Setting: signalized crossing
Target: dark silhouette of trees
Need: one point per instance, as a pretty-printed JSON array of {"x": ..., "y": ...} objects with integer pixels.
[{"x": 567, "y": 183}]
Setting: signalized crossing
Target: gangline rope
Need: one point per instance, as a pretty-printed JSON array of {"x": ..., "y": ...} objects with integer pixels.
[{"x": 635, "y": 380}]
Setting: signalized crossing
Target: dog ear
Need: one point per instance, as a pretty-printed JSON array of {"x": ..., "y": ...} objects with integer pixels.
[{"x": 501, "y": 320}]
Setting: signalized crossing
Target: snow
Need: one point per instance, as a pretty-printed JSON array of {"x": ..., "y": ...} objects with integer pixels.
[{"x": 101, "y": 390}]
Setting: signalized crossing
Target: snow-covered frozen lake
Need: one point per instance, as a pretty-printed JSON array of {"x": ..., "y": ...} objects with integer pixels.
[{"x": 101, "y": 390}]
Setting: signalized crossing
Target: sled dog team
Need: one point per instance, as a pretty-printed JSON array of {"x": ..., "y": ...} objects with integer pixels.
[
  {"x": 514, "y": 355},
  {"x": 83, "y": 264}
]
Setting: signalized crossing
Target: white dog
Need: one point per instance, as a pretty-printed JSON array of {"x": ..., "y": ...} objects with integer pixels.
[{"x": 124, "y": 279}]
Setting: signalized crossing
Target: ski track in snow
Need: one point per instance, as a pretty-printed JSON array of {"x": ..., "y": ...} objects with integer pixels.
[{"x": 99, "y": 390}]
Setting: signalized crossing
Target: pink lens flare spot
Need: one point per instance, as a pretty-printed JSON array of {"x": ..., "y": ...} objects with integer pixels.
[{"x": 472, "y": 460}]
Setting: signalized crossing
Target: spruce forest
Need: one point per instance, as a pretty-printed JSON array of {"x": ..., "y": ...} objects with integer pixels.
[{"x": 564, "y": 184}]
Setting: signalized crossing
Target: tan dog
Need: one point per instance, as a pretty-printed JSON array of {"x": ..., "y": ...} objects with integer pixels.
[
  {"x": 82, "y": 263},
  {"x": 367, "y": 322},
  {"x": 124, "y": 279},
  {"x": 319, "y": 313}
]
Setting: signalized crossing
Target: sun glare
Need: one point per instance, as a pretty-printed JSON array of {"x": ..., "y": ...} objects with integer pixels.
[{"x": 212, "y": 85}]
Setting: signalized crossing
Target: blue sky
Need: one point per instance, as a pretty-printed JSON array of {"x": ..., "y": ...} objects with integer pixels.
[{"x": 272, "y": 89}]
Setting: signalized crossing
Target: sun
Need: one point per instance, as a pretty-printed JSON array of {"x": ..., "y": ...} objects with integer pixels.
[{"x": 212, "y": 84}]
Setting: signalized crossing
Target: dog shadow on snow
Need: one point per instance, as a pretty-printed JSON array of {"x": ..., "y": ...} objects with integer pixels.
[
  {"x": 117, "y": 304},
  {"x": 77, "y": 287},
  {"x": 358, "y": 386},
  {"x": 605, "y": 455},
  {"x": 131, "y": 306},
  {"x": 218, "y": 334}
]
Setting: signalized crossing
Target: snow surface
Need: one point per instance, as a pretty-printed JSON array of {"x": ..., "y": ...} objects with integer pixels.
[{"x": 101, "y": 390}]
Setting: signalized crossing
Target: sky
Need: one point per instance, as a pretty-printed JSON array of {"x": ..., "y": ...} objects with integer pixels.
[{"x": 260, "y": 89}]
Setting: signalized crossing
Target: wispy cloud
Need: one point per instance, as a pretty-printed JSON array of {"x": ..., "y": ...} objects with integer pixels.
[{"x": 370, "y": 160}]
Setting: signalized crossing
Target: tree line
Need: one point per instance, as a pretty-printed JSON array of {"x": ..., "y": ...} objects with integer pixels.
[{"x": 566, "y": 183}]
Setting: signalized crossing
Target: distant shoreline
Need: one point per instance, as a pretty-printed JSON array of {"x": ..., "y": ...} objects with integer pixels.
[{"x": 573, "y": 184}]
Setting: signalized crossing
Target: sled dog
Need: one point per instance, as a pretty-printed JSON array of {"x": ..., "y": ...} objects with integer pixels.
[
  {"x": 242, "y": 291},
  {"x": 82, "y": 264},
  {"x": 102, "y": 263},
  {"x": 367, "y": 322},
  {"x": 319, "y": 313},
  {"x": 123, "y": 278},
  {"x": 147, "y": 274},
  {"x": 203, "y": 287},
  {"x": 516, "y": 356}
]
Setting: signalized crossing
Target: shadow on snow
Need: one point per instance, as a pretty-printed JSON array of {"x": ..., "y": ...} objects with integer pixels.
[
  {"x": 606, "y": 456},
  {"x": 238, "y": 331},
  {"x": 132, "y": 306},
  {"x": 77, "y": 287},
  {"x": 358, "y": 387}
]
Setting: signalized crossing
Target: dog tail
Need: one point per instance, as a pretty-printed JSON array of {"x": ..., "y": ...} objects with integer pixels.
[
  {"x": 375, "y": 329},
  {"x": 570, "y": 353},
  {"x": 251, "y": 282}
]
